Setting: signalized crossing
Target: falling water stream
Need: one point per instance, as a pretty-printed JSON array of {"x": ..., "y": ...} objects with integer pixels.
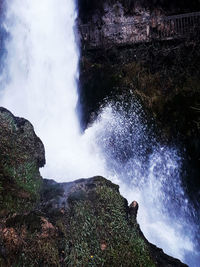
[{"x": 38, "y": 82}]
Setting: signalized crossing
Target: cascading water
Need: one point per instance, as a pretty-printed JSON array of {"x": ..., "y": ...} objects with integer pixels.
[
  {"x": 149, "y": 173},
  {"x": 38, "y": 82}
]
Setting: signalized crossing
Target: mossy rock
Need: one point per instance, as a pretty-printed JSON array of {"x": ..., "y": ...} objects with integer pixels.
[
  {"x": 100, "y": 233},
  {"x": 21, "y": 155},
  {"x": 89, "y": 224},
  {"x": 81, "y": 223}
]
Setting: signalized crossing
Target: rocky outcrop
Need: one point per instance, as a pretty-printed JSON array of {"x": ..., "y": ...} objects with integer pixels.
[
  {"x": 21, "y": 155},
  {"x": 114, "y": 26},
  {"x": 81, "y": 223},
  {"x": 123, "y": 22},
  {"x": 88, "y": 8},
  {"x": 77, "y": 224}
]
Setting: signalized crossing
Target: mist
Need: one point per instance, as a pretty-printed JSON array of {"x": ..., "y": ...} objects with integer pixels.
[{"x": 39, "y": 83}]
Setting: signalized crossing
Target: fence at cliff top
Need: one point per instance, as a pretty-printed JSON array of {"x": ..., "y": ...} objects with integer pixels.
[{"x": 182, "y": 26}]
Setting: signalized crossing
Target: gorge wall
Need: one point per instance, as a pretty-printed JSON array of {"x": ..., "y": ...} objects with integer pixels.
[
  {"x": 163, "y": 75},
  {"x": 88, "y": 8},
  {"x": 87, "y": 222}
]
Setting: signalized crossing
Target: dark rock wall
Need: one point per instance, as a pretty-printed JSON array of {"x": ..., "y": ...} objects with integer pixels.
[
  {"x": 87, "y": 8},
  {"x": 163, "y": 75}
]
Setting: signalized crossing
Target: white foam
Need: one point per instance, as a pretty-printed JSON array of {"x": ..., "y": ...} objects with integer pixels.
[{"x": 39, "y": 83}]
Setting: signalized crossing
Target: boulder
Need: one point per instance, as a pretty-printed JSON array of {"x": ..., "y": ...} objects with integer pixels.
[{"x": 21, "y": 155}]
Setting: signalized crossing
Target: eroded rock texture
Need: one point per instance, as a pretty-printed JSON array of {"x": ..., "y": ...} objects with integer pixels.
[{"x": 82, "y": 223}]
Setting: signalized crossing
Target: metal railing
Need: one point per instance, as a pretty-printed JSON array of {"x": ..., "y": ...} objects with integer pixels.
[
  {"x": 177, "y": 26},
  {"x": 156, "y": 28}
]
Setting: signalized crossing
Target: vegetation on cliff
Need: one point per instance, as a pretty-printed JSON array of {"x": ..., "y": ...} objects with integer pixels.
[
  {"x": 164, "y": 77},
  {"x": 43, "y": 223},
  {"x": 21, "y": 153}
]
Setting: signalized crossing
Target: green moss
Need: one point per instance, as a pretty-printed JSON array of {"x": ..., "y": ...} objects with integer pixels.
[
  {"x": 27, "y": 179},
  {"x": 104, "y": 220},
  {"x": 19, "y": 188},
  {"x": 60, "y": 224},
  {"x": 21, "y": 151},
  {"x": 41, "y": 253},
  {"x": 14, "y": 204}
]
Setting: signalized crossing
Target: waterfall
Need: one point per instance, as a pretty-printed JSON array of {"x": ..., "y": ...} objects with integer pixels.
[
  {"x": 38, "y": 82},
  {"x": 151, "y": 174}
]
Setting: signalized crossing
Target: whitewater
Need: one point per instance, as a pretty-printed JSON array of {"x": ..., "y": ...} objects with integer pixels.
[{"x": 39, "y": 82}]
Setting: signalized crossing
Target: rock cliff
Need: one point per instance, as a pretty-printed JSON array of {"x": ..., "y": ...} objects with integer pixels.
[
  {"x": 82, "y": 223},
  {"x": 21, "y": 155},
  {"x": 162, "y": 75}
]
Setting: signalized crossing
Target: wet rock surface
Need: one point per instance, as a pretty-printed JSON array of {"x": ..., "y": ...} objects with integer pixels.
[
  {"x": 80, "y": 223},
  {"x": 21, "y": 155}
]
